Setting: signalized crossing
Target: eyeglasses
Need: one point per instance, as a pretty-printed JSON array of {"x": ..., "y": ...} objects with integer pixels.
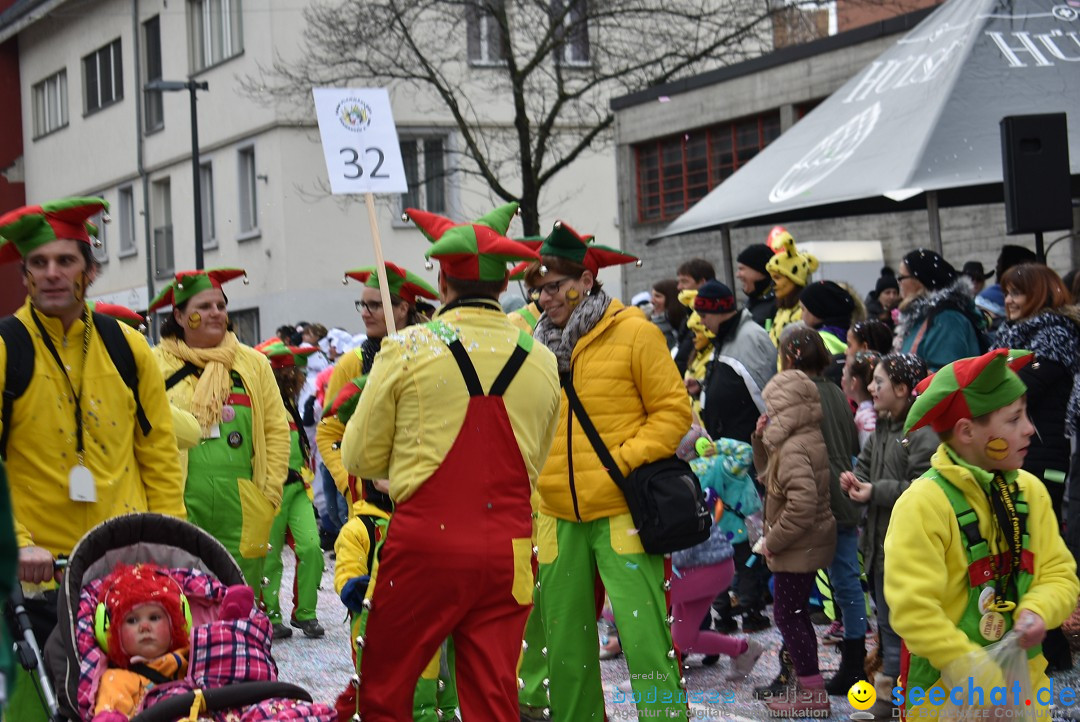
[
  {"x": 552, "y": 287},
  {"x": 369, "y": 306}
]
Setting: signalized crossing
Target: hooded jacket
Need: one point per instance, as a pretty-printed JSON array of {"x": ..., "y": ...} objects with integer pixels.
[
  {"x": 953, "y": 325},
  {"x": 800, "y": 530},
  {"x": 633, "y": 393}
]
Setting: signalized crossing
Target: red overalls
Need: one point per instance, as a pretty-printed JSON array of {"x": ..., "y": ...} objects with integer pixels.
[{"x": 457, "y": 561}]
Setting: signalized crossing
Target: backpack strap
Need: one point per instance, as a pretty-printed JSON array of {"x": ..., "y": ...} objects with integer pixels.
[
  {"x": 124, "y": 361},
  {"x": 20, "y": 368},
  {"x": 180, "y": 374}
]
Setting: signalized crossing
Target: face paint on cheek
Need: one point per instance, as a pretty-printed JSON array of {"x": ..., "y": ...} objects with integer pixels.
[
  {"x": 79, "y": 286},
  {"x": 573, "y": 298},
  {"x": 997, "y": 449},
  {"x": 194, "y": 320}
]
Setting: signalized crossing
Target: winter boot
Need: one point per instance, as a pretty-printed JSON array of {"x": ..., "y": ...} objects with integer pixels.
[
  {"x": 783, "y": 680},
  {"x": 852, "y": 662},
  {"x": 807, "y": 698},
  {"x": 883, "y": 707}
]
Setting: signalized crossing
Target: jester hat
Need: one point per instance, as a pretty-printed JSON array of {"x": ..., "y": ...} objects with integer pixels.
[
  {"x": 188, "y": 283},
  {"x": 344, "y": 404},
  {"x": 477, "y": 251},
  {"x": 25, "y": 229},
  {"x": 403, "y": 283},
  {"x": 967, "y": 389},
  {"x": 517, "y": 273},
  {"x": 128, "y": 587},
  {"x": 282, "y": 356},
  {"x": 565, "y": 242},
  {"x": 787, "y": 260},
  {"x": 123, "y": 314}
]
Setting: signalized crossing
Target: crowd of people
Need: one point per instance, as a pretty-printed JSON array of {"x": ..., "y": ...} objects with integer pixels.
[{"x": 479, "y": 450}]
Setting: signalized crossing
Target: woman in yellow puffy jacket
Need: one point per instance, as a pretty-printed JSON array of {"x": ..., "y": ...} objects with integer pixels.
[{"x": 629, "y": 386}]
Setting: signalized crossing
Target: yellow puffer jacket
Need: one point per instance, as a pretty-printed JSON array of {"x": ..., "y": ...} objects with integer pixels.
[
  {"x": 353, "y": 543},
  {"x": 628, "y": 384}
]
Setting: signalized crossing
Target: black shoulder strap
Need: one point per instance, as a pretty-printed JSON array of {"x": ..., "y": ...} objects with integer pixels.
[
  {"x": 369, "y": 524},
  {"x": 468, "y": 371},
  {"x": 180, "y": 374},
  {"x": 590, "y": 431},
  {"x": 150, "y": 673},
  {"x": 124, "y": 361},
  {"x": 513, "y": 364},
  {"x": 20, "y": 368}
]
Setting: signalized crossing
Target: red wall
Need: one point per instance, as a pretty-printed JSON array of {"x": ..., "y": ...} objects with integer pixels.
[{"x": 12, "y": 195}]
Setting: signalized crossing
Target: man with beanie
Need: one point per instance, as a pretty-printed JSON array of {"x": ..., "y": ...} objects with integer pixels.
[
  {"x": 744, "y": 360},
  {"x": 756, "y": 282},
  {"x": 458, "y": 554},
  {"x": 827, "y": 308},
  {"x": 884, "y": 298},
  {"x": 973, "y": 549}
]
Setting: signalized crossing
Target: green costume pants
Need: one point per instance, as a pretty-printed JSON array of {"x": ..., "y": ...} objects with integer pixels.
[
  {"x": 297, "y": 516},
  {"x": 533, "y": 669},
  {"x": 572, "y": 555}
]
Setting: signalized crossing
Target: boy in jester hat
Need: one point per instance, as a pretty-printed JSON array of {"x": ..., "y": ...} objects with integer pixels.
[
  {"x": 628, "y": 384},
  {"x": 790, "y": 270},
  {"x": 482, "y": 399},
  {"x": 296, "y": 517},
  {"x": 73, "y": 448},
  {"x": 973, "y": 549},
  {"x": 405, "y": 288}
]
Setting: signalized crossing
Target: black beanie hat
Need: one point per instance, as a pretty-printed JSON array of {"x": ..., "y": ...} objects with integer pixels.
[
  {"x": 829, "y": 302},
  {"x": 930, "y": 269},
  {"x": 755, "y": 256},
  {"x": 886, "y": 281},
  {"x": 714, "y": 297}
]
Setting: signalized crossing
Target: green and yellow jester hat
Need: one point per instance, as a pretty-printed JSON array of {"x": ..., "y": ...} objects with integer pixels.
[
  {"x": 188, "y": 283},
  {"x": 787, "y": 260},
  {"x": 25, "y": 229},
  {"x": 967, "y": 389},
  {"x": 403, "y": 283},
  {"x": 565, "y": 242},
  {"x": 345, "y": 403},
  {"x": 477, "y": 251},
  {"x": 282, "y": 356},
  {"x": 123, "y": 314}
]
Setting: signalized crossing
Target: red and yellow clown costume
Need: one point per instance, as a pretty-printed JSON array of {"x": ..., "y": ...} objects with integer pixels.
[
  {"x": 949, "y": 579},
  {"x": 466, "y": 386}
]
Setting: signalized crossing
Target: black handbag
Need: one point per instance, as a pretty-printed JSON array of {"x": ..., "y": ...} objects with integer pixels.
[{"x": 664, "y": 496}]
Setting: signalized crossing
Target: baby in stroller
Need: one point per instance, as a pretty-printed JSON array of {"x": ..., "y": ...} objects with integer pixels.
[{"x": 156, "y": 624}]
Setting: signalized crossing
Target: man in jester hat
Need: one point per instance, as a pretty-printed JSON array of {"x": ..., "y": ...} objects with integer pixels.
[
  {"x": 458, "y": 414},
  {"x": 75, "y": 448},
  {"x": 235, "y": 475},
  {"x": 618, "y": 363},
  {"x": 973, "y": 549},
  {"x": 405, "y": 288}
]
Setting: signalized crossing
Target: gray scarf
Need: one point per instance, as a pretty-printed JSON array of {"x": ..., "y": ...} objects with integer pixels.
[{"x": 582, "y": 319}]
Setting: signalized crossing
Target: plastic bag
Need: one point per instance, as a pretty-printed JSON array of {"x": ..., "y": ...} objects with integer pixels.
[{"x": 999, "y": 671}]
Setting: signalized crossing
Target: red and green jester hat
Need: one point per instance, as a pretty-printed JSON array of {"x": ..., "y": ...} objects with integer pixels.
[
  {"x": 189, "y": 283},
  {"x": 477, "y": 251},
  {"x": 565, "y": 242},
  {"x": 403, "y": 283}
]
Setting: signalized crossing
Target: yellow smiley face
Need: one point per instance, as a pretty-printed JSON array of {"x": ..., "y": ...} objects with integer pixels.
[{"x": 862, "y": 695}]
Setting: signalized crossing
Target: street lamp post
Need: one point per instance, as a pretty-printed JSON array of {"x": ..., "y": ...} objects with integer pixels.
[{"x": 191, "y": 86}]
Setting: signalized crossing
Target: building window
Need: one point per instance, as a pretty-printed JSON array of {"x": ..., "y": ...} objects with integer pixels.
[
  {"x": 163, "y": 228},
  {"x": 103, "y": 81},
  {"x": 125, "y": 217},
  {"x": 215, "y": 32},
  {"x": 486, "y": 43},
  {"x": 572, "y": 31},
  {"x": 100, "y": 249},
  {"x": 677, "y": 171},
  {"x": 206, "y": 196},
  {"x": 425, "y": 170},
  {"x": 50, "y": 104},
  {"x": 154, "y": 106},
  {"x": 249, "y": 209},
  {"x": 245, "y": 323}
]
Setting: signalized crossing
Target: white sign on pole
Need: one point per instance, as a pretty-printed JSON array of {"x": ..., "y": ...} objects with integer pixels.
[{"x": 359, "y": 140}]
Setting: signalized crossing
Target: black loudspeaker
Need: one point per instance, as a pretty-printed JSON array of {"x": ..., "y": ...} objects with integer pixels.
[{"x": 1035, "y": 161}]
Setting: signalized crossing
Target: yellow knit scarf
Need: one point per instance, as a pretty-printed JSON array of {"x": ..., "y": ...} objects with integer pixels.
[{"x": 215, "y": 384}]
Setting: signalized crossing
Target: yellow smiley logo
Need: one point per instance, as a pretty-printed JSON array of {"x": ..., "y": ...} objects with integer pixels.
[{"x": 862, "y": 695}]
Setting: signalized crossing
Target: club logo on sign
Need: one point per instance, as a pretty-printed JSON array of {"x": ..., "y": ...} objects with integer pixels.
[{"x": 354, "y": 114}]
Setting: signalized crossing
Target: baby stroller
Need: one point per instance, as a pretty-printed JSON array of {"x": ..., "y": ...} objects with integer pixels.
[{"x": 216, "y": 686}]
